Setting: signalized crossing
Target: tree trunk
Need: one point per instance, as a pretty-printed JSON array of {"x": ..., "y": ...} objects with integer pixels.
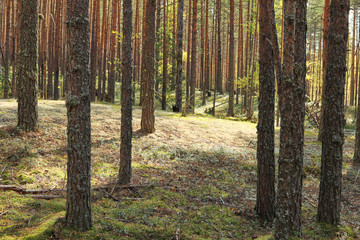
[
  {"x": 188, "y": 65},
  {"x": 231, "y": 51},
  {"x": 148, "y": 71},
  {"x": 78, "y": 202},
  {"x": 193, "y": 56},
  {"x": 240, "y": 62},
  {"x": 7, "y": 51},
  {"x": 165, "y": 60},
  {"x": 292, "y": 102},
  {"x": 50, "y": 51},
  {"x": 352, "y": 81},
  {"x": 27, "y": 66},
  {"x": 113, "y": 37},
  {"x": 57, "y": 49},
  {"x": 126, "y": 100},
  {"x": 94, "y": 49},
  {"x": 179, "y": 56},
  {"x": 333, "y": 125},
  {"x": 325, "y": 42},
  {"x": 265, "y": 198},
  {"x": 218, "y": 77}
]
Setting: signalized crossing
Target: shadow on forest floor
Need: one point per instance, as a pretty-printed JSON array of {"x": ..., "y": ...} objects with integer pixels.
[{"x": 194, "y": 178}]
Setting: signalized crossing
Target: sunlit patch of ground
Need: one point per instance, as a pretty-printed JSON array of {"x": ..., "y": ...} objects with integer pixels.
[{"x": 198, "y": 178}]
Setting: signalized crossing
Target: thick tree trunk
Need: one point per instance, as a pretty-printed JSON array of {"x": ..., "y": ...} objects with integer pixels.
[
  {"x": 27, "y": 66},
  {"x": 126, "y": 100},
  {"x": 292, "y": 102},
  {"x": 78, "y": 202},
  {"x": 333, "y": 121},
  {"x": 148, "y": 71},
  {"x": 179, "y": 55},
  {"x": 265, "y": 199}
]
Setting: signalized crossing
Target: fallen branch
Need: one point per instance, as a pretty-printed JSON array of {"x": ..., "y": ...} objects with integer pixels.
[
  {"x": 4, "y": 213},
  {"x": 46, "y": 197},
  {"x": 22, "y": 190}
]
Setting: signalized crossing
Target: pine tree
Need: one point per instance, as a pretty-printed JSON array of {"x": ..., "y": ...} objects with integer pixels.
[
  {"x": 27, "y": 66},
  {"x": 148, "y": 71},
  {"x": 78, "y": 202},
  {"x": 126, "y": 93},
  {"x": 333, "y": 119}
]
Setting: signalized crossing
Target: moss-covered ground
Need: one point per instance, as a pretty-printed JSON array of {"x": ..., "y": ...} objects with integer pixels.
[{"x": 195, "y": 178}]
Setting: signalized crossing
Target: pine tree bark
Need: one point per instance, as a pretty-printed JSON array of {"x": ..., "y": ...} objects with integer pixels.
[
  {"x": 352, "y": 81},
  {"x": 94, "y": 49},
  {"x": 148, "y": 71},
  {"x": 219, "y": 74},
  {"x": 27, "y": 66},
  {"x": 333, "y": 121},
  {"x": 325, "y": 43},
  {"x": 126, "y": 93},
  {"x": 193, "y": 55},
  {"x": 7, "y": 51},
  {"x": 356, "y": 158},
  {"x": 165, "y": 58},
  {"x": 113, "y": 37},
  {"x": 231, "y": 51},
  {"x": 188, "y": 62},
  {"x": 179, "y": 54},
  {"x": 57, "y": 48},
  {"x": 78, "y": 202},
  {"x": 292, "y": 102},
  {"x": 265, "y": 198},
  {"x": 240, "y": 61},
  {"x": 50, "y": 51}
]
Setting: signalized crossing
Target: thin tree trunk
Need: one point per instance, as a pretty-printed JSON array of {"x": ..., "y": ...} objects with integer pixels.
[
  {"x": 165, "y": 59},
  {"x": 231, "y": 60},
  {"x": 218, "y": 59},
  {"x": 179, "y": 42},
  {"x": 126, "y": 100},
  {"x": 352, "y": 82},
  {"x": 193, "y": 56},
  {"x": 94, "y": 49},
  {"x": 7, "y": 51},
  {"x": 57, "y": 49},
  {"x": 325, "y": 41},
  {"x": 113, "y": 37}
]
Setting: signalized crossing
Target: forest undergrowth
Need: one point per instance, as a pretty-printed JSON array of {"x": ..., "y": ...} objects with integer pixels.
[{"x": 194, "y": 178}]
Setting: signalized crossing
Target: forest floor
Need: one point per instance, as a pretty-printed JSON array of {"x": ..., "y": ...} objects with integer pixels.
[{"x": 194, "y": 178}]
